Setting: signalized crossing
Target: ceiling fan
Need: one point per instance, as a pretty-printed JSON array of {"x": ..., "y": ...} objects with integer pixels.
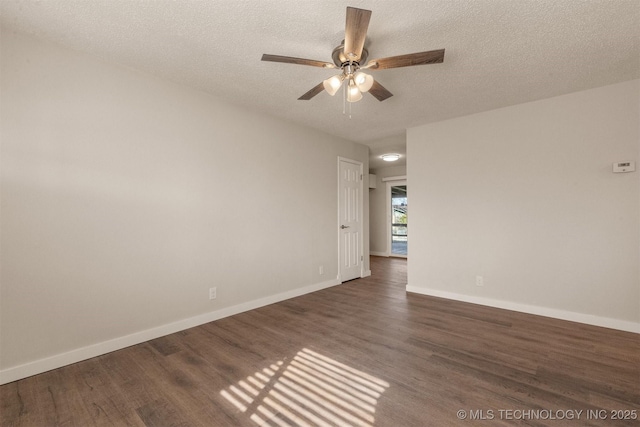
[{"x": 351, "y": 57}]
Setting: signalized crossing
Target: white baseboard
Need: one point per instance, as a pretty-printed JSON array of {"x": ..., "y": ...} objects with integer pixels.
[
  {"x": 77, "y": 355},
  {"x": 379, "y": 254},
  {"x": 588, "y": 319}
]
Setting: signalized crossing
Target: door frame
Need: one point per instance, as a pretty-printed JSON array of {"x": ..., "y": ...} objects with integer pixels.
[
  {"x": 360, "y": 219},
  {"x": 393, "y": 183}
]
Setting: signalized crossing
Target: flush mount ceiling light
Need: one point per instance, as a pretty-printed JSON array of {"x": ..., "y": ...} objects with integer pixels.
[
  {"x": 350, "y": 54},
  {"x": 391, "y": 157}
]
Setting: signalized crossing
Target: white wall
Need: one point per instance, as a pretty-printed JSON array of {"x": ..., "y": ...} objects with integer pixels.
[
  {"x": 378, "y": 209},
  {"x": 525, "y": 197},
  {"x": 125, "y": 197}
]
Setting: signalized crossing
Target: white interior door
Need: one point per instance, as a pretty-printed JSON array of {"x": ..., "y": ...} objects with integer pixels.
[{"x": 350, "y": 219}]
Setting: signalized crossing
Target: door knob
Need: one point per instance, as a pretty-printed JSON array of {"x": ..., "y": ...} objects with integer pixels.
[{"x": 344, "y": 226}]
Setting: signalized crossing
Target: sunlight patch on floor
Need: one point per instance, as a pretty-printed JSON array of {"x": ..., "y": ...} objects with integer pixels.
[{"x": 309, "y": 390}]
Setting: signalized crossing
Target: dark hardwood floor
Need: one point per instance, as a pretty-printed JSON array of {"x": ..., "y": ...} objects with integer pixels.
[{"x": 364, "y": 353}]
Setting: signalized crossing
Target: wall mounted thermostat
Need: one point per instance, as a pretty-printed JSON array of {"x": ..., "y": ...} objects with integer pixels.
[{"x": 624, "y": 167}]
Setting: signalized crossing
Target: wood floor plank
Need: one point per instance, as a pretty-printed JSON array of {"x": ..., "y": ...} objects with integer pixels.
[{"x": 361, "y": 353}]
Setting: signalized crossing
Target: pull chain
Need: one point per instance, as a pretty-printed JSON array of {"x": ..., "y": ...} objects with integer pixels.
[
  {"x": 344, "y": 99},
  {"x": 345, "y": 91},
  {"x": 350, "y": 110}
]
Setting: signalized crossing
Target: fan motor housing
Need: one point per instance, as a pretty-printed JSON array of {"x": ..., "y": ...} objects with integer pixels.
[{"x": 340, "y": 59}]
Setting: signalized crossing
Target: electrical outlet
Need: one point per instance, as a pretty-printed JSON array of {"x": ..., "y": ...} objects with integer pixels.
[
  {"x": 212, "y": 293},
  {"x": 321, "y": 270},
  {"x": 479, "y": 281}
]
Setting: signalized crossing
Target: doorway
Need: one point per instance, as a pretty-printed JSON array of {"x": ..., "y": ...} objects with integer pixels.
[{"x": 398, "y": 223}]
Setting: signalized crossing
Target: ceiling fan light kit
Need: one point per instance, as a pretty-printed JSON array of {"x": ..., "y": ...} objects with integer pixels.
[
  {"x": 363, "y": 81},
  {"x": 348, "y": 57},
  {"x": 332, "y": 84},
  {"x": 358, "y": 83},
  {"x": 353, "y": 93}
]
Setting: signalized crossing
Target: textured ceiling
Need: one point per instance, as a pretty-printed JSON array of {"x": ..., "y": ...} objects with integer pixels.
[{"x": 498, "y": 52}]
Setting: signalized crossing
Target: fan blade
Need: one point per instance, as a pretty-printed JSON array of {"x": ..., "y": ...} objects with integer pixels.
[
  {"x": 313, "y": 92},
  {"x": 355, "y": 32},
  {"x": 301, "y": 61},
  {"x": 420, "y": 58},
  {"x": 379, "y": 91}
]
